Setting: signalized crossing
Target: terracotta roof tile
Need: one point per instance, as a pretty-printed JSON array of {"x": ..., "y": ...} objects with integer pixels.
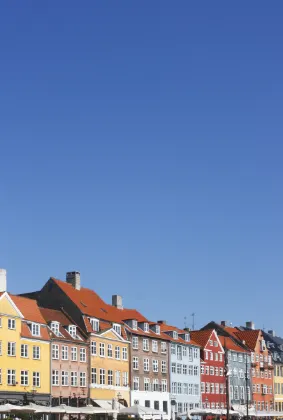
[
  {"x": 168, "y": 328},
  {"x": 59, "y": 316},
  {"x": 201, "y": 337},
  {"x": 230, "y": 344},
  {"x": 25, "y": 332},
  {"x": 28, "y": 308},
  {"x": 249, "y": 336}
]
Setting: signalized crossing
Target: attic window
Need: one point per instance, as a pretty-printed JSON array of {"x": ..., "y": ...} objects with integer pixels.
[
  {"x": 117, "y": 328},
  {"x": 54, "y": 326},
  {"x": 157, "y": 329},
  {"x": 94, "y": 324},
  {"x": 35, "y": 329},
  {"x": 187, "y": 337},
  {"x": 72, "y": 329},
  {"x": 175, "y": 335},
  {"x": 135, "y": 324},
  {"x": 145, "y": 327}
]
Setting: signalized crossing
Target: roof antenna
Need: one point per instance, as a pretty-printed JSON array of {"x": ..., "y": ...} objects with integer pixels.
[
  {"x": 193, "y": 324},
  {"x": 185, "y": 321}
]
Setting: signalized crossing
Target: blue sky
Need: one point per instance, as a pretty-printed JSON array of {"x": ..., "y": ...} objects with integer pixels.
[{"x": 141, "y": 144}]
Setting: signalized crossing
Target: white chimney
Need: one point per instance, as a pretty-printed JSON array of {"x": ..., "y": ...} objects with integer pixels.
[
  {"x": 250, "y": 325},
  {"x": 74, "y": 278},
  {"x": 3, "y": 280},
  {"x": 117, "y": 301}
]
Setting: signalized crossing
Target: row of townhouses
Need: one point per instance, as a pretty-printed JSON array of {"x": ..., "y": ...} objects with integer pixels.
[{"x": 65, "y": 345}]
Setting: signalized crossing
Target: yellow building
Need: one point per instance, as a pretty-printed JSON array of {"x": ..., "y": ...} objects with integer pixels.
[
  {"x": 24, "y": 351},
  {"x": 109, "y": 367},
  {"x": 278, "y": 386}
]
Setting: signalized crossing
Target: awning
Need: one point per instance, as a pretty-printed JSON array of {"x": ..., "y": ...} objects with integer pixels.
[{"x": 109, "y": 405}]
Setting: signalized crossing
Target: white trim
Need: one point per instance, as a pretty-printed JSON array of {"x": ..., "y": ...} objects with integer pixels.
[
  {"x": 34, "y": 340},
  {"x": 220, "y": 345},
  {"x": 119, "y": 337},
  {"x": 12, "y": 303}
]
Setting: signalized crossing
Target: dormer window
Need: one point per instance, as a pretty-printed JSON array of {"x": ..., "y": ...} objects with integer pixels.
[
  {"x": 54, "y": 326},
  {"x": 157, "y": 329},
  {"x": 175, "y": 335},
  {"x": 94, "y": 324},
  {"x": 72, "y": 330},
  {"x": 145, "y": 327},
  {"x": 35, "y": 329},
  {"x": 135, "y": 324},
  {"x": 187, "y": 337},
  {"x": 117, "y": 328}
]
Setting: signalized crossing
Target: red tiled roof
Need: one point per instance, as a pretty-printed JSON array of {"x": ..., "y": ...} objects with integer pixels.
[
  {"x": 56, "y": 315},
  {"x": 230, "y": 344},
  {"x": 249, "y": 336},
  {"x": 201, "y": 337},
  {"x": 28, "y": 308},
  {"x": 25, "y": 332},
  {"x": 168, "y": 328}
]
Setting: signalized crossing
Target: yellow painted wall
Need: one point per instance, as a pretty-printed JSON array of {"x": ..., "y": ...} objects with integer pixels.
[
  {"x": 102, "y": 392},
  {"x": 17, "y": 362},
  {"x": 278, "y": 386}
]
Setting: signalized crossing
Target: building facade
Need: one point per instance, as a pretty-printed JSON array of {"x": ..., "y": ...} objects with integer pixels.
[
  {"x": 184, "y": 359},
  {"x": 213, "y": 381},
  {"x": 24, "y": 352},
  {"x": 69, "y": 360}
]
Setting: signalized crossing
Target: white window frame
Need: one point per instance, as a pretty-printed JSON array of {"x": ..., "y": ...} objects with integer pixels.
[
  {"x": 35, "y": 329},
  {"x": 82, "y": 354},
  {"x": 36, "y": 379},
  {"x": 11, "y": 325},
  {"x": 36, "y": 352},
  {"x": 74, "y": 354},
  {"x": 94, "y": 322},
  {"x": 24, "y": 351}
]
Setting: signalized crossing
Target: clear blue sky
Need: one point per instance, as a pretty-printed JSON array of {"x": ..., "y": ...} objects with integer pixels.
[{"x": 141, "y": 144}]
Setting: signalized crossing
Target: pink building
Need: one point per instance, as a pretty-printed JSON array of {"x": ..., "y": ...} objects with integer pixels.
[{"x": 69, "y": 359}]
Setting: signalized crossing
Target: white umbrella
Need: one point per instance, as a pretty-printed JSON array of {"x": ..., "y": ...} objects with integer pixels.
[{"x": 138, "y": 410}]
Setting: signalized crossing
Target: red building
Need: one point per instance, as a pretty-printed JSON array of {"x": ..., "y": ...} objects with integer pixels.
[{"x": 213, "y": 389}]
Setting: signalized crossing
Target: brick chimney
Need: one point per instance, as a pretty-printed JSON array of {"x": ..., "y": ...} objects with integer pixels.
[
  {"x": 117, "y": 301},
  {"x": 3, "y": 280},
  {"x": 162, "y": 321},
  {"x": 74, "y": 278},
  {"x": 250, "y": 325},
  {"x": 224, "y": 323}
]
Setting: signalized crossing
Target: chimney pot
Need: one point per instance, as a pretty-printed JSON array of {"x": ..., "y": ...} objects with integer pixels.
[
  {"x": 117, "y": 301},
  {"x": 162, "y": 321},
  {"x": 3, "y": 280},
  {"x": 250, "y": 325},
  {"x": 74, "y": 278},
  {"x": 272, "y": 332},
  {"x": 224, "y": 323}
]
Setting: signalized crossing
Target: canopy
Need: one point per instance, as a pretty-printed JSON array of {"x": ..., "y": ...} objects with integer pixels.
[{"x": 138, "y": 410}]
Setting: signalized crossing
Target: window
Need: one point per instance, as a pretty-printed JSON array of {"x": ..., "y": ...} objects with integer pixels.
[
  {"x": 207, "y": 388},
  {"x": 173, "y": 349},
  {"x": 145, "y": 327},
  {"x": 117, "y": 328},
  {"x": 156, "y": 405},
  {"x": 211, "y": 370},
  {"x": 212, "y": 388},
  {"x": 82, "y": 354},
  {"x": 202, "y": 369},
  {"x": 164, "y": 385},
  {"x": 94, "y": 324},
  {"x": 145, "y": 344},
  {"x": 179, "y": 368},
  {"x": 74, "y": 379},
  {"x": 215, "y": 344},
  {"x": 135, "y": 324},
  {"x": 11, "y": 324},
  {"x": 117, "y": 352},
  {"x": 82, "y": 379},
  {"x": 206, "y": 355},
  {"x": 64, "y": 378},
  {"x": 202, "y": 387},
  {"x": 185, "y": 369},
  {"x": 135, "y": 363},
  {"x": 157, "y": 329},
  {"x": 146, "y": 365},
  {"x": 72, "y": 331},
  {"x": 163, "y": 347},
  {"x": 136, "y": 383},
  {"x": 55, "y": 377},
  {"x": 35, "y": 329},
  {"x": 235, "y": 372},
  {"x": 195, "y": 370},
  {"x": 155, "y": 385},
  {"x": 216, "y": 357},
  {"x": 125, "y": 379},
  {"x": 210, "y": 342},
  {"x": 93, "y": 348},
  {"x": 102, "y": 376},
  {"x": 196, "y": 353},
  {"x": 216, "y": 371},
  {"x": 146, "y": 384},
  {"x": 240, "y": 357},
  {"x": 187, "y": 337},
  {"x": 179, "y": 352},
  {"x": 55, "y": 351},
  {"x": 110, "y": 377},
  {"x": 179, "y": 388},
  {"x": 242, "y": 393},
  {"x": 118, "y": 378},
  {"x": 101, "y": 349},
  {"x": 74, "y": 354},
  {"x": 93, "y": 376},
  {"x": 211, "y": 355},
  {"x": 65, "y": 355},
  {"x": 173, "y": 367},
  {"x": 186, "y": 389},
  {"x": 221, "y": 389},
  {"x": 155, "y": 365},
  {"x": 24, "y": 377},
  {"x": 163, "y": 366},
  {"x": 234, "y": 357},
  {"x": 54, "y": 326},
  {"x": 11, "y": 351},
  {"x": 220, "y": 357},
  {"x": 175, "y": 335},
  {"x": 174, "y": 387},
  {"x": 36, "y": 352},
  {"x": 216, "y": 388},
  {"x": 184, "y": 351},
  {"x": 236, "y": 392},
  {"x": 110, "y": 351},
  {"x": 135, "y": 343},
  {"x": 24, "y": 350},
  {"x": 154, "y": 346},
  {"x": 190, "y": 369},
  {"x": 125, "y": 353},
  {"x": 36, "y": 379},
  {"x": 220, "y": 371}
]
